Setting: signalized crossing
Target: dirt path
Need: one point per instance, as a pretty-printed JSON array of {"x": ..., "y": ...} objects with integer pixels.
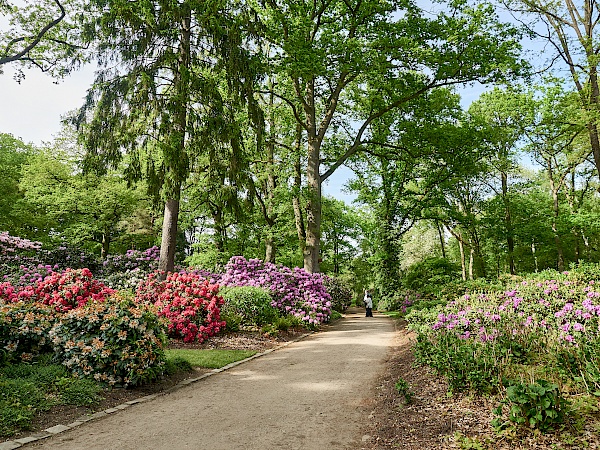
[{"x": 312, "y": 394}]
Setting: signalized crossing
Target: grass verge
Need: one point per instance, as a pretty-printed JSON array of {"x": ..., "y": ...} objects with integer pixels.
[{"x": 211, "y": 358}]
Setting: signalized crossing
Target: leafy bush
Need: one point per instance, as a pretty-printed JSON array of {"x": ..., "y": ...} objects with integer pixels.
[
  {"x": 189, "y": 303},
  {"x": 466, "y": 364},
  {"x": 340, "y": 292},
  {"x": 399, "y": 301},
  {"x": 251, "y": 304},
  {"x": 536, "y": 405},
  {"x": 403, "y": 389},
  {"x": 146, "y": 261},
  {"x": 19, "y": 401},
  {"x": 117, "y": 342},
  {"x": 24, "y": 330},
  {"x": 66, "y": 256},
  {"x": 78, "y": 392},
  {"x": 126, "y": 281},
  {"x": 429, "y": 275}
]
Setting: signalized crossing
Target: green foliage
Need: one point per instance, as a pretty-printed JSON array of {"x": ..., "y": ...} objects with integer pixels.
[
  {"x": 428, "y": 276},
  {"x": 78, "y": 392},
  {"x": 24, "y": 330},
  {"x": 535, "y": 405},
  {"x": 175, "y": 364},
  {"x": 403, "y": 389},
  {"x": 26, "y": 389},
  {"x": 340, "y": 291},
  {"x": 248, "y": 306},
  {"x": 466, "y": 364}
]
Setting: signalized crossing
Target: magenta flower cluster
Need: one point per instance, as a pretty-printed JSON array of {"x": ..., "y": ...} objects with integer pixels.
[
  {"x": 566, "y": 311},
  {"x": 294, "y": 291}
]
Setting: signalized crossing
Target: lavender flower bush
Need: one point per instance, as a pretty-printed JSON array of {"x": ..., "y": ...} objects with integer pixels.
[
  {"x": 294, "y": 291},
  {"x": 554, "y": 324}
]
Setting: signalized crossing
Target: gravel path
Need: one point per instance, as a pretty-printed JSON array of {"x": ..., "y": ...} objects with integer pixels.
[{"x": 312, "y": 394}]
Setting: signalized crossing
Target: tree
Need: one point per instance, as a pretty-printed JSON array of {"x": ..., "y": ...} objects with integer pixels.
[
  {"x": 80, "y": 209},
  {"x": 341, "y": 232},
  {"x": 556, "y": 145},
  {"x": 505, "y": 115},
  {"x": 13, "y": 155},
  {"x": 42, "y": 33},
  {"x": 163, "y": 107},
  {"x": 571, "y": 31},
  {"x": 350, "y": 63}
]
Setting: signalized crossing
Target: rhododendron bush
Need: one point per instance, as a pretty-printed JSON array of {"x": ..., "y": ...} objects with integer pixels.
[
  {"x": 118, "y": 342},
  {"x": 24, "y": 330},
  {"x": 68, "y": 290},
  {"x": 189, "y": 303},
  {"x": 294, "y": 291},
  {"x": 555, "y": 321}
]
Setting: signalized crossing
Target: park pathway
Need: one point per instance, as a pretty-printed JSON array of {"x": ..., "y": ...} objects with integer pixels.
[{"x": 312, "y": 394}]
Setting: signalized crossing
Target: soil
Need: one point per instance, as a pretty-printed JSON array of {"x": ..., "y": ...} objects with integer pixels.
[
  {"x": 431, "y": 419},
  {"x": 436, "y": 419}
]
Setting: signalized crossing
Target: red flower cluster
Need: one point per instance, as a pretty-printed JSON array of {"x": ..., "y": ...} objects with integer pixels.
[
  {"x": 188, "y": 301},
  {"x": 67, "y": 290}
]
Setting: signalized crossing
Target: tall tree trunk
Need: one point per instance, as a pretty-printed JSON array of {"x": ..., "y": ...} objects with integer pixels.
[
  {"x": 461, "y": 247},
  {"x": 557, "y": 240},
  {"x": 510, "y": 240},
  {"x": 442, "y": 240},
  {"x": 177, "y": 143},
  {"x": 535, "y": 260},
  {"x": 313, "y": 180},
  {"x": 270, "y": 245},
  {"x": 471, "y": 260},
  {"x": 105, "y": 246},
  {"x": 555, "y": 208},
  {"x": 296, "y": 192},
  {"x": 594, "y": 104},
  {"x": 166, "y": 262}
]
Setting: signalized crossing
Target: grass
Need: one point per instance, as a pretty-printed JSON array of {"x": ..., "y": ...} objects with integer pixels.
[
  {"x": 393, "y": 314},
  {"x": 26, "y": 389},
  {"x": 210, "y": 359}
]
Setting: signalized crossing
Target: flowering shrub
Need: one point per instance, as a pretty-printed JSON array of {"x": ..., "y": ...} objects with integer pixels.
[
  {"x": 339, "y": 291},
  {"x": 24, "y": 329},
  {"x": 67, "y": 290},
  {"x": 67, "y": 256},
  {"x": 189, "y": 303},
  {"x": 556, "y": 319},
  {"x": 145, "y": 261},
  {"x": 13, "y": 247},
  {"x": 117, "y": 342},
  {"x": 29, "y": 275},
  {"x": 294, "y": 291},
  {"x": 126, "y": 281}
]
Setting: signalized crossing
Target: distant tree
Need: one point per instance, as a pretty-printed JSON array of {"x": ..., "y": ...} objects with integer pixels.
[
  {"x": 14, "y": 153},
  {"x": 85, "y": 210}
]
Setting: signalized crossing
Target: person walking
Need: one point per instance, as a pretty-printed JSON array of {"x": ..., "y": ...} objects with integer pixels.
[{"x": 368, "y": 303}]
